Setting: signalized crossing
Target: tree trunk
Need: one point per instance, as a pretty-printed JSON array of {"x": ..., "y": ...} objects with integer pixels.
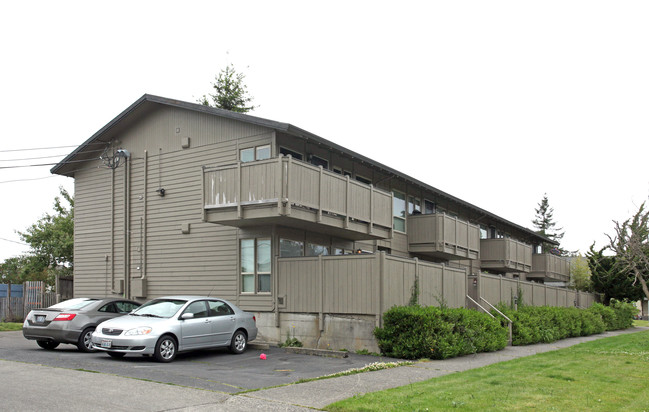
[{"x": 643, "y": 283}]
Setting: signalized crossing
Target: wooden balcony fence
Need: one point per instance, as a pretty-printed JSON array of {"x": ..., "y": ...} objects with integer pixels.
[
  {"x": 296, "y": 194},
  {"x": 550, "y": 268},
  {"x": 506, "y": 254},
  {"x": 444, "y": 236}
]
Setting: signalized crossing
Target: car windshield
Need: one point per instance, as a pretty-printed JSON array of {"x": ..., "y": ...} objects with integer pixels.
[
  {"x": 77, "y": 303},
  {"x": 164, "y": 308}
]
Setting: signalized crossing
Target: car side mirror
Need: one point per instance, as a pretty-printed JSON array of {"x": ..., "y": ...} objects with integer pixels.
[{"x": 187, "y": 316}]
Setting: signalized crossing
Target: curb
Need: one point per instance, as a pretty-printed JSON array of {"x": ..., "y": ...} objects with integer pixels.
[{"x": 317, "y": 352}]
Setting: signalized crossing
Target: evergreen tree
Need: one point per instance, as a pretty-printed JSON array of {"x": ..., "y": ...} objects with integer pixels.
[
  {"x": 610, "y": 279},
  {"x": 546, "y": 226},
  {"x": 230, "y": 92}
]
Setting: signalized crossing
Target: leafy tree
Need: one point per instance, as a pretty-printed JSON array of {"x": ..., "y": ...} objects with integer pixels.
[
  {"x": 17, "y": 270},
  {"x": 546, "y": 226},
  {"x": 580, "y": 274},
  {"x": 609, "y": 278},
  {"x": 230, "y": 92},
  {"x": 630, "y": 243},
  {"x": 51, "y": 240}
]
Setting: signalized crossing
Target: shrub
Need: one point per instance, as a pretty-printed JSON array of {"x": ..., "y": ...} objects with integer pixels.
[
  {"x": 415, "y": 332},
  {"x": 619, "y": 315},
  {"x": 534, "y": 324}
]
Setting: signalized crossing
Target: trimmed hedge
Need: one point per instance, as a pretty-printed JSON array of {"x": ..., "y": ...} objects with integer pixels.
[
  {"x": 619, "y": 315},
  {"x": 534, "y": 324},
  {"x": 414, "y": 332}
]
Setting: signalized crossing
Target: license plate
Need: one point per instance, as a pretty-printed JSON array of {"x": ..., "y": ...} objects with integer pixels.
[
  {"x": 106, "y": 343},
  {"x": 40, "y": 318}
]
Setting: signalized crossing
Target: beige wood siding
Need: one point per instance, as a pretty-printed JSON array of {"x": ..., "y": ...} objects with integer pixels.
[
  {"x": 92, "y": 229},
  {"x": 165, "y": 128},
  {"x": 164, "y": 240}
]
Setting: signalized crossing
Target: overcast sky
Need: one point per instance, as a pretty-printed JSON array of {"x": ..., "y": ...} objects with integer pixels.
[{"x": 494, "y": 102}]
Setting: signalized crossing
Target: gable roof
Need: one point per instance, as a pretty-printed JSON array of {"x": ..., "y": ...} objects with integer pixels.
[{"x": 149, "y": 102}]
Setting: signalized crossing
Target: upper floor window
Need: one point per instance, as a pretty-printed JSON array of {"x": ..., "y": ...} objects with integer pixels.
[
  {"x": 363, "y": 180},
  {"x": 429, "y": 207},
  {"x": 250, "y": 154},
  {"x": 483, "y": 232},
  {"x": 294, "y": 154},
  {"x": 399, "y": 211},
  {"x": 414, "y": 205},
  {"x": 340, "y": 171},
  {"x": 318, "y": 161},
  {"x": 255, "y": 265}
]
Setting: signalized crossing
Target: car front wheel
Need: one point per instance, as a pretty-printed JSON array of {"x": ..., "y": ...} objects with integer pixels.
[
  {"x": 85, "y": 343},
  {"x": 165, "y": 349},
  {"x": 239, "y": 342},
  {"x": 47, "y": 344}
]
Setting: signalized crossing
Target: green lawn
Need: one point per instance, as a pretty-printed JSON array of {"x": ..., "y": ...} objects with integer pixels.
[
  {"x": 641, "y": 323},
  {"x": 7, "y": 326},
  {"x": 603, "y": 375}
]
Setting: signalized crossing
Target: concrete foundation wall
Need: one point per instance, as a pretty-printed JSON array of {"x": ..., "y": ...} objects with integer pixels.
[{"x": 350, "y": 332}]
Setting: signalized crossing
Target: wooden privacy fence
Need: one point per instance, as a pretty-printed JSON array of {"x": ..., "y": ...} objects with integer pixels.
[
  {"x": 34, "y": 296},
  {"x": 496, "y": 289},
  {"x": 364, "y": 284}
]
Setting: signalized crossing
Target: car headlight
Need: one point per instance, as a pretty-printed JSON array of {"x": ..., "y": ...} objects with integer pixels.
[{"x": 142, "y": 330}]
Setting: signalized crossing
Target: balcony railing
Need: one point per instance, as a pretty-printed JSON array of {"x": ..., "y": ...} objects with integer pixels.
[
  {"x": 295, "y": 194},
  {"x": 505, "y": 255},
  {"x": 550, "y": 268},
  {"x": 443, "y": 236}
]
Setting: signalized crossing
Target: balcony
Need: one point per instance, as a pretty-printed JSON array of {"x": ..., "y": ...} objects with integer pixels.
[
  {"x": 443, "y": 236},
  {"x": 549, "y": 268},
  {"x": 283, "y": 191},
  {"x": 505, "y": 255}
]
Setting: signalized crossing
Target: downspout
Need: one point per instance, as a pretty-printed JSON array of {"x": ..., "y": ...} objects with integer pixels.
[
  {"x": 112, "y": 231},
  {"x": 127, "y": 226},
  {"x": 144, "y": 214}
]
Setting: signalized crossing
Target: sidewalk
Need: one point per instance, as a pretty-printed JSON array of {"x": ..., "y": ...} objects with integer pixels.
[{"x": 318, "y": 394}]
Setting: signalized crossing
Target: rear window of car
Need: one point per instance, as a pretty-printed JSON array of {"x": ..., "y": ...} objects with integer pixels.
[{"x": 77, "y": 303}]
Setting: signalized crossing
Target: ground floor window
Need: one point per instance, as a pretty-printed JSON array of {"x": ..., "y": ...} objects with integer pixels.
[
  {"x": 291, "y": 248},
  {"x": 313, "y": 249},
  {"x": 255, "y": 265}
]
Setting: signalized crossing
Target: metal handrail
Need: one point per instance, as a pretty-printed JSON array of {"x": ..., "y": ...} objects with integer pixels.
[
  {"x": 496, "y": 309},
  {"x": 510, "y": 326},
  {"x": 485, "y": 310}
]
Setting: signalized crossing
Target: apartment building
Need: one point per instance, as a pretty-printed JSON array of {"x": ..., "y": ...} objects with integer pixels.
[{"x": 178, "y": 198}]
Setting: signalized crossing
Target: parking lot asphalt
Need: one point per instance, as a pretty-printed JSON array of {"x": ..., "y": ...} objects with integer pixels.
[
  {"x": 215, "y": 370},
  {"x": 34, "y": 379}
]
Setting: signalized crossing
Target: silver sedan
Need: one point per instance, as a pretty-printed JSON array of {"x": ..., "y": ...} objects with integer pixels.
[
  {"x": 165, "y": 326},
  {"x": 72, "y": 321}
]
